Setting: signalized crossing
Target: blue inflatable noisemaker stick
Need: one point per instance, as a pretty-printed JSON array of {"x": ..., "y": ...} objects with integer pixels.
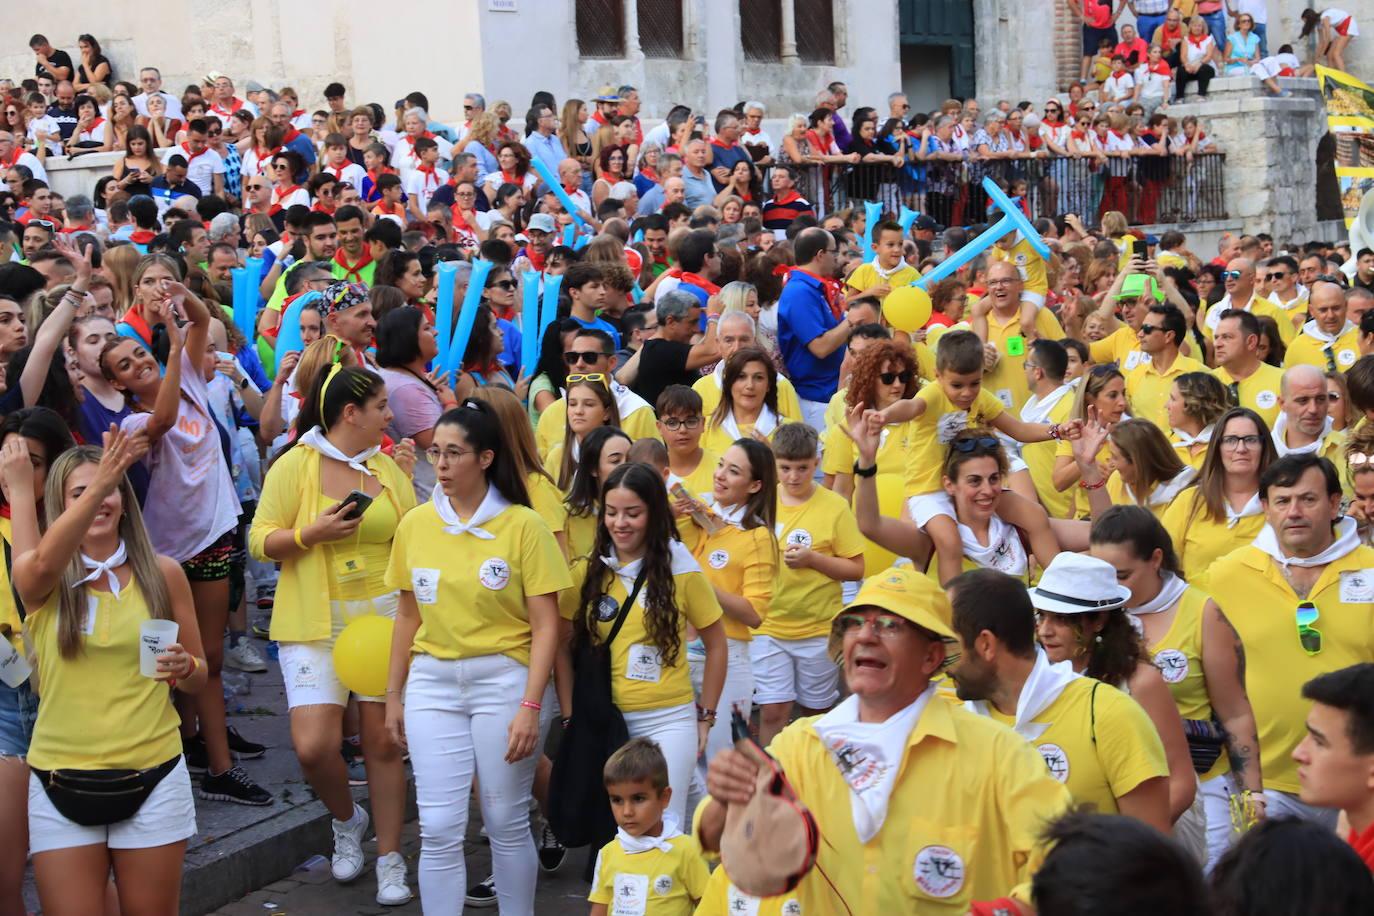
[
  {"x": 467, "y": 318},
  {"x": 443, "y": 305},
  {"x": 289, "y": 331},
  {"x": 530, "y": 337},
  {"x": 873, "y": 211},
  {"x": 1013, "y": 220}
]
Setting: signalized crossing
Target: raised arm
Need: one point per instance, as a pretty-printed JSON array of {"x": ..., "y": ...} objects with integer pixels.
[{"x": 54, "y": 328}]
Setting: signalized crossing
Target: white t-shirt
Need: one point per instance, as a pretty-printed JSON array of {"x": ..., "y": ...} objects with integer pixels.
[
  {"x": 1153, "y": 84},
  {"x": 760, "y": 138},
  {"x": 47, "y": 125},
  {"x": 350, "y": 173},
  {"x": 422, "y": 185},
  {"x": 1119, "y": 86},
  {"x": 404, "y": 160},
  {"x": 1269, "y": 67},
  {"x": 201, "y": 168},
  {"x": 1197, "y": 53}
]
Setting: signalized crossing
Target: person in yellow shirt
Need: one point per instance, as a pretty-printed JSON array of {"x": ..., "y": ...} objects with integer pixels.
[
  {"x": 865, "y": 336},
  {"x": 722, "y": 898},
  {"x": 887, "y": 271},
  {"x": 1007, "y": 332},
  {"x": 1222, "y": 512},
  {"x": 1252, "y": 382},
  {"x": 1196, "y": 402},
  {"x": 1051, "y": 401},
  {"x": 1149, "y": 383},
  {"x": 821, "y": 548},
  {"x": 1304, "y": 423},
  {"x": 545, "y": 497},
  {"x": 604, "y": 449},
  {"x": 748, "y": 401},
  {"x": 958, "y": 813},
  {"x": 1199, "y": 655},
  {"x": 1284, "y": 289},
  {"x": 333, "y": 569},
  {"x": 1330, "y": 341},
  {"x": 1091, "y": 737},
  {"x": 475, "y": 640},
  {"x": 735, "y": 332},
  {"x": 589, "y": 405},
  {"x": 680, "y": 425},
  {"x": 1013, "y": 248},
  {"x": 1301, "y": 600},
  {"x": 592, "y": 352},
  {"x": 636, "y": 555},
  {"x": 1146, "y": 471},
  {"x": 651, "y": 867},
  {"x": 89, "y": 586},
  {"x": 1239, "y": 280},
  {"x": 1139, "y": 286}
]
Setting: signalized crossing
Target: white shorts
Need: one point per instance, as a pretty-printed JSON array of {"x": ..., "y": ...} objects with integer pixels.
[
  {"x": 167, "y": 816},
  {"x": 928, "y": 505},
  {"x": 1034, "y": 298},
  {"x": 800, "y": 670},
  {"x": 307, "y": 668}
]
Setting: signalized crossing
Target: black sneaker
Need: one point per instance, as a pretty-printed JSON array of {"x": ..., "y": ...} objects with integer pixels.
[
  {"x": 551, "y": 852},
  {"x": 193, "y": 748},
  {"x": 233, "y": 785},
  {"x": 483, "y": 895},
  {"x": 242, "y": 748}
]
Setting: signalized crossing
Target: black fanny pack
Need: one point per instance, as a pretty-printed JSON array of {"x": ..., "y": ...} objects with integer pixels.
[
  {"x": 96, "y": 798},
  {"x": 1206, "y": 740}
]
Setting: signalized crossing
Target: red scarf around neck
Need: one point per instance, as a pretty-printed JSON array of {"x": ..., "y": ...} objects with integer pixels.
[{"x": 352, "y": 272}]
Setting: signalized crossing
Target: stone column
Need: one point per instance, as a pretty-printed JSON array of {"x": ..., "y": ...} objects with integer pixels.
[{"x": 789, "y": 33}]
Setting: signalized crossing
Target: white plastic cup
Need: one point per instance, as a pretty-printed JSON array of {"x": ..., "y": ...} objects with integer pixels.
[
  {"x": 154, "y": 638},
  {"x": 14, "y": 667}
]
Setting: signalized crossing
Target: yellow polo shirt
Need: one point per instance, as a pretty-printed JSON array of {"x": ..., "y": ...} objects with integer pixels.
[
  {"x": 708, "y": 386},
  {"x": 969, "y": 805},
  {"x": 1259, "y": 391},
  {"x": 1039, "y": 458},
  {"x": 1098, "y": 742},
  {"x": 741, "y": 563},
  {"x": 1200, "y": 540},
  {"x": 894, "y": 446},
  {"x": 1007, "y": 380},
  {"x": 1185, "y": 453},
  {"x": 1117, "y": 347},
  {"x": 805, "y": 600},
  {"x": 1248, "y": 585},
  {"x": 866, "y": 276},
  {"x": 940, "y": 423},
  {"x": 1147, "y": 388},
  {"x": 655, "y": 883},
  {"x": 1178, "y": 656},
  {"x": 1028, "y": 263},
  {"x": 1339, "y": 355},
  {"x": 1257, "y": 307}
]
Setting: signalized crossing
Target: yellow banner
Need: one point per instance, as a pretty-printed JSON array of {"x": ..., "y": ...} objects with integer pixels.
[{"x": 1350, "y": 118}]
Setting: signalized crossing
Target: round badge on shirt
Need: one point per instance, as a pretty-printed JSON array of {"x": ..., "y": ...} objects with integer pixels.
[
  {"x": 718, "y": 559},
  {"x": 939, "y": 871},
  {"x": 1172, "y": 665},
  {"x": 798, "y": 537},
  {"x": 1056, "y": 760},
  {"x": 607, "y": 609},
  {"x": 663, "y": 885},
  {"x": 494, "y": 573},
  {"x": 1266, "y": 399}
]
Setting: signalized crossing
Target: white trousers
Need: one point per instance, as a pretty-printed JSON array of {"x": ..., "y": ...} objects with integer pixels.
[
  {"x": 457, "y": 713},
  {"x": 738, "y": 691},
  {"x": 674, "y": 728}
]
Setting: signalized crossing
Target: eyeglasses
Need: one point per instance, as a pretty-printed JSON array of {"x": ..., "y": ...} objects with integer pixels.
[
  {"x": 1274, "y": 278},
  {"x": 1309, "y": 636},
  {"x": 886, "y": 626},
  {"x": 965, "y": 446},
  {"x": 1004, "y": 281},
  {"x": 1247, "y": 442},
  {"x": 467, "y": 108},
  {"x": 596, "y": 377},
  {"x": 504, "y": 284},
  {"x": 1149, "y": 328},
  {"x": 1230, "y": 275},
  {"x": 887, "y": 378},
  {"x": 279, "y": 166},
  {"x": 586, "y": 356},
  {"x": 689, "y": 423},
  {"x": 452, "y": 453},
  {"x": 256, "y": 187}
]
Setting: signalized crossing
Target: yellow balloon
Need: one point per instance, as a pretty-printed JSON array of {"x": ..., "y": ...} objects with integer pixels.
[
  {"x": 362, "y": 654},
  {"x": 907, "y": 308}
]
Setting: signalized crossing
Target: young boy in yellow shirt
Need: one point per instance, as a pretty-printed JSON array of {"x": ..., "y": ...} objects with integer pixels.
[
  {"x": 651, "y": 867},
  {"x": 887, "y": 271},
  {"x": 822, "y": 548}
]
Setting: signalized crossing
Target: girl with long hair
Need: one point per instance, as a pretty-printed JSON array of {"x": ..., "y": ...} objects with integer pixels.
[
  {"x": 1196, "y": 401},
  {"x": 1223, "y": 512},
  {"x": 637, "y": 546},
  {"x": 551, "y": 371},
  {"x": 417, "y": 397},
  {"x": 1200, "y": 657},
  {"x": 87, "y": 587},
  {"x": 119, "y": 130},
  {"x": 748, "y": 401},
  {"x": 603, "y": 450},
  {"x": 187, "y": 467},
  {"x": 591, "y": 405},
  {"x": 135, "y": 170},
  {"x": 1146, "y": 469},
  {"x": 333, "y": 570},
  {"x": 119, "y": 263},
  {"x": 1101, "y": 399},
  {"x": 475, "y": 640},
  {"x": 572, "y": 134},
  {"x": 94, "y": 68},
  {"x": 739, "y": 554}
]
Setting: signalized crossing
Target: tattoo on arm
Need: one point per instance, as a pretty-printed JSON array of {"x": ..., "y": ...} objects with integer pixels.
[{"x": 1240, "y": 648}]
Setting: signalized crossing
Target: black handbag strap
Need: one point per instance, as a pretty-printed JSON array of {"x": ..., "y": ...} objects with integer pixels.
[
  {"x": 9, "y": 575},
  {"x": 625, "y": 608}
]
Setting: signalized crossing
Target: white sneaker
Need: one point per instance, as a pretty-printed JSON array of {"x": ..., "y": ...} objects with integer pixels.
[
  {"x": 245, "y": 658},
  {"x": 347, "y": 861},
  {"x": 391, "y": 880}
]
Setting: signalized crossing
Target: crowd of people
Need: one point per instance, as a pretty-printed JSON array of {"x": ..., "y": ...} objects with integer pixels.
[{"x": 1059, "y": 597}]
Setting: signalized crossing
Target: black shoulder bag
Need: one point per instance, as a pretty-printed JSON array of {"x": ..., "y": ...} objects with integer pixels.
[{"x": 579, "y": 809}]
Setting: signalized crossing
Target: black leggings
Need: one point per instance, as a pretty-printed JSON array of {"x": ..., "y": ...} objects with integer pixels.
[{"x": 1203, "y": 76}]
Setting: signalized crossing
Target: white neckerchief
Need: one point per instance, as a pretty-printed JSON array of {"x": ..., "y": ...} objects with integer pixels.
[
  {"x": 1188, "y": 441},
  {"x": 888, "y": 274},
  {"x": 1003, "y": 551},
  {"x": 1251, "y": 508},
  {"x": 868, "y": 755},
  {"x": 1037, "y": 410},
  {"x": 493, "y": 504},
  {"x": 764, "y": 425},
  {"x": 680, "y": 557},
  {"x": 1171, "y": 588},
  {"x": 1044, "y": 685},
  {"x": 316, "y": 439},
  {"x": 731, "y": 515},
  {"x": 1165, "y": 492},
  {"x": 1347, "y": 539},
  {"x": 1316, "y": 333},
  {"x": 97, "y": 568},
  {"x": 634, "y": 845},
  {"x": 1311, "y": 448}
]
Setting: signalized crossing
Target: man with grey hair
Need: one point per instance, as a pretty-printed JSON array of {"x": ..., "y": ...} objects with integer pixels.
[
  {"x": 629, "y": 108},
  {"x": 839, "y": 93},
  {"x": 544, "y": 144},
  {"x": 669, "y": 166},
  {"x": 735, "y": 331},
  {"x": 695, "y": 175},
  {"x": 897, "y": 105},
  {"x": 80, "y": 214},
  {"x": 669, "y": 357},
  {"x": 474, "y": 103},
  {"x": 754, "y": 138},
  {"x": 223, "y": 228}
]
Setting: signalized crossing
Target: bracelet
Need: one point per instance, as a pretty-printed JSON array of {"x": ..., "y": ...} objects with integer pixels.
[
  {"x": 865, "y": 472},
  {"x": 1254, "y": 798},
  {"x": 706, "y": 715},
  {"x": 566, "y": 722},
  {"x": 195, "y": 666},
  {"x": 1084, "y": 485},
  {"x": 300, "y": 542},
  {"x": 530, "y": 704},
  {"x": 1055, "y": 433}
]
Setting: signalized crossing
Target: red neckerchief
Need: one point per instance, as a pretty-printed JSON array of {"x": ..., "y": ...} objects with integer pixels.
[
  {"x": 830, "y": 289},
  {"x": 353, "y": 272},
  {"x": 508, "y": 178},
  {"x": 429, "y": 170},
  {"x": 787, "y": 197},
  {"x": 1161, "y": 68},
  {"x": 1171, "y": 35},
  {"x": 277, "y": 197},
  {"x": 570, "y": 189},
  {"x": 649, "y": 173},
  {"x": 14, "y": 157},
  {"x": 291, "y": 134},
  {"x": 1363, "y": 844},
  {"x": 298, "y": 112},
  {"x": 338, "y": 172},
  {"x": 190, "y": 156},
  {"x": 140, "y": 237},
  {"x": 319, "y": 207},
  {"x": 535, "y": 258},
  {"x": 715, "y": 141},
  {"x": 1198, "y": 42},
  {"x": 234, "y": 105},
  {"x": 459, "y": 220},
  {"x": 94, "y": 124},
  {"x": 1052, "y": 125},
  {"x": 140, "y": 325},
  {"x": 411, "y": 140},
  {"x": 5, "y": 511},
  {"x": 699, "y": 282},
  {"x": 381, "y": 208},
  {"x": 1114, "y": 133},
  {"x": 1117, "y": 76}
]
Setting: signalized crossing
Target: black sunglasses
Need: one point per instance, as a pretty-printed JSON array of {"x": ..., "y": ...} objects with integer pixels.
[
  {"x": 504, "y": 284},
  {"x": 970, "y": 443},
  {"x": 887, "y": 378},
  {"x": 572, "y": 357}
]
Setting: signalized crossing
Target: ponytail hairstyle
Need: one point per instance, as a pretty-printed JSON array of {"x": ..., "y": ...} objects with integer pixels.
[
  {"x": 1137, "y": 528},
  {"x": 761, "y": 508},
  {"x": 515, "y": 422},
  {"x": 482, "y": 428},
  {"x": 568, "y": 466},
  {"x": 662, "y": 619},
  {"x": 71, "y": 596},
  {"x": 584, "y": 493}
]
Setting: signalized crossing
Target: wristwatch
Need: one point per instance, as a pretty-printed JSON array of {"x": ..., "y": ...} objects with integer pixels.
[
  {"x": 243, "y": 383},
  {"x": 865, "y": 472}
]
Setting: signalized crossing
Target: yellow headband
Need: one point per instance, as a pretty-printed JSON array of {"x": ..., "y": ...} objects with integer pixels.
[{"x": 333, "y": 371}]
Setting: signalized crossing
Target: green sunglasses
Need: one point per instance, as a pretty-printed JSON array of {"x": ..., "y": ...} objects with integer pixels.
[{"x": 1309, "y": 636}]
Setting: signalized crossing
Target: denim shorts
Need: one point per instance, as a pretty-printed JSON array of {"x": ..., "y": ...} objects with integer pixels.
[{"x": 18, "y": 713}]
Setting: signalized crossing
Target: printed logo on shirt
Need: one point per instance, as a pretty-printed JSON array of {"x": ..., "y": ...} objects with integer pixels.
[
  {"x": 1345, "y": 358},
  {"x": 1357, "y": 586},
  {"x": 797, "y": 537},
  {"x": 607, "y": 609},
  {"x": 494, "y": 574},
  {"x": 859, "y": 768},
  {"x": 1133, "y": 359},
  {"x": 792, "y": 907},
  {"x": 663, "y": 885},
  {"x": 950, "y": 425},
  {"x": 741, "y": 904},
  {"x": 1056, "y": 760},
  {"x": 1266, "y": 399},
  {"x": 425, "y": 584},
  {"x": 631, "y": 895},
  {"x": 939, "y": 871},
  {"x": 718, "y": 559},
  {"x": 1172, "y": 665}
]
